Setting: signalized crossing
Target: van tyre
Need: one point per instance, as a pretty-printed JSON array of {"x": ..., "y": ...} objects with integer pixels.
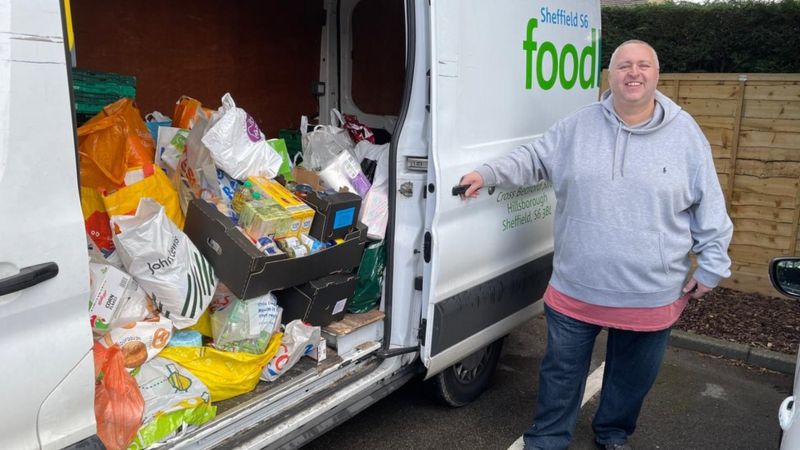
[{"x": 464, "y": 381}]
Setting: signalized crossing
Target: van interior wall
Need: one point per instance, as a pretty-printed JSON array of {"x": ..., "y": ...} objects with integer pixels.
[
  {"x": 264, "y": 52},
  {"x": 379, "y": 56}
]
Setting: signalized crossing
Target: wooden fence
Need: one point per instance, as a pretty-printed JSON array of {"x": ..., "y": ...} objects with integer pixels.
[{"x": 753, "y": 124}]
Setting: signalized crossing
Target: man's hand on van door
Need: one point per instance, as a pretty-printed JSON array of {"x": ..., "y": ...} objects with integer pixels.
[
  {"x": 475, "y": 181},
  {"x": 696, "y": 290}
]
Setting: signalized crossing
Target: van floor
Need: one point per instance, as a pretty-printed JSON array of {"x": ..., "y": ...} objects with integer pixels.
[{"x": 302, "y": 370}]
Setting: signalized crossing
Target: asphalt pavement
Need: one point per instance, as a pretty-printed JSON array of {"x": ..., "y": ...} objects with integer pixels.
[{"x": 698, "y": 402}]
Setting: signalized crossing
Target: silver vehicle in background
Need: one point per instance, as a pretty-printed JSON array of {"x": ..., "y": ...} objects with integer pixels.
[{"x": 784, "y": 272}]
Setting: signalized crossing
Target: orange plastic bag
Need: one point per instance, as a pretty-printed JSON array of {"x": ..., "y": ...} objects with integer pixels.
[
  {"x": 186, "y": 108},
  {"x": 155, "y": 185},
  {"x": 118, "y": 402},
  {"x": 110, "y": 143}
]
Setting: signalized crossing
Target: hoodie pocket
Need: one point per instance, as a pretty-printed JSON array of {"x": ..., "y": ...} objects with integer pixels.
[{"x": 612, "y": 258}]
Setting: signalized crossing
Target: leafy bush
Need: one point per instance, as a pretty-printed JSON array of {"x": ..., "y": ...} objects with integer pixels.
[{"x": 737, "y": 36}]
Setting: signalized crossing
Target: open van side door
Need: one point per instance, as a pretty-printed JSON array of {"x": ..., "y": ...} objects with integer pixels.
[
  {"x": 501, "y": 74},
  {"x": 46, "y": 363}
]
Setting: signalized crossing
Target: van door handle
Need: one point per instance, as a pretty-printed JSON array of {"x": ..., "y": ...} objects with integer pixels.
[
  {"x": 27, "y": 277},
  {"x": 462, "y": 188}
]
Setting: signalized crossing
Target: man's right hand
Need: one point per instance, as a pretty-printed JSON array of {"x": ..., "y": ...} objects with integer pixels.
[{"x": 475, "y": 181}]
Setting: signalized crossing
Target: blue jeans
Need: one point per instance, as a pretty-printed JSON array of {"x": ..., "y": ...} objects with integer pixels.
[{"x": 632, "y": 362}]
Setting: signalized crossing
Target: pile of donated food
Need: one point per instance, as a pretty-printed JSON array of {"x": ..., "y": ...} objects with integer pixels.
[{"x": 215, "y": 258}]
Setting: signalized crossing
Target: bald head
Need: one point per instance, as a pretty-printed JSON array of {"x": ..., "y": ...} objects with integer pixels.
[{"x": 631, "y": 42}]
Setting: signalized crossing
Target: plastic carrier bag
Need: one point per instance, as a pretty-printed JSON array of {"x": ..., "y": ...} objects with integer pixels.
[
  {"x": 243, "y": 325},
  {"x": 97, "y": 206},
  {"x": 370, "y": 278},
  {"x": 173, "y": 397},
  {"x": 118, "y": 403},
  {"x": 298, "y": 339},
  {"x": 225, "y": 374},
  {"x": 110, "y": 143},
  {"x": 165, "y": 262},
  {"x": 324, "y": 143},
  {"x": 237, "y": 144}
]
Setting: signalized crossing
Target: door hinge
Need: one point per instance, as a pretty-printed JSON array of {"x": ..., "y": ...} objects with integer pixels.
[
  {"x": 427, "y": 242},
  {"x": 423, "y": 325},
  {"x": 418, "y": 283}
]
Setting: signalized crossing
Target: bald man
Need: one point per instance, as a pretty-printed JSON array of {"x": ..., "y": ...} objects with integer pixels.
[{"x": 636, "y": 192}]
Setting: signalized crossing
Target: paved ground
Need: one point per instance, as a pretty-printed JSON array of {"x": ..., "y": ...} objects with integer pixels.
[{"x": 699, "y": 402}]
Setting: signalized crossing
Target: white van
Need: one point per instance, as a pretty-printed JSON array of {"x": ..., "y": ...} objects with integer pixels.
[{"x": 480, "y": 78}]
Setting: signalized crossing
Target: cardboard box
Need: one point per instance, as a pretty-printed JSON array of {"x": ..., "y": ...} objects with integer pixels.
[
  {"x": 335, "y": 214},
  {"x": 248, "y": 272},
  {"x": 318, "y": 302},
  {"x": 304, "y": 176}
]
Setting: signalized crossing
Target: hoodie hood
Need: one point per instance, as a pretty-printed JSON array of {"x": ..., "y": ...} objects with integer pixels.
[{"x": 665, "y": 111}]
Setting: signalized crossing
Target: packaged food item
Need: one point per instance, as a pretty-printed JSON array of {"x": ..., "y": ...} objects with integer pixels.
[
  {"x": 140, "y": 341},
  {"x": 302, "y": 214},
  {"x": 268, "y": 246},
  {"x": 260, "y": 218},
  {"x": 116, "y": 298},
  {"x": 186, "y": 338},
  {"x": 245, "y": 193},
  {"x": 293, "y": 247},
  {"x": 312, "y": 244}
]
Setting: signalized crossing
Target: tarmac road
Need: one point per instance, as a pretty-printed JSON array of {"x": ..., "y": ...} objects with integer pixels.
[{"x": 699, "y": 402}]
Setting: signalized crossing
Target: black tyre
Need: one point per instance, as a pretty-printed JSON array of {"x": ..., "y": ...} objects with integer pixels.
[{"x": 465, "y": 380}]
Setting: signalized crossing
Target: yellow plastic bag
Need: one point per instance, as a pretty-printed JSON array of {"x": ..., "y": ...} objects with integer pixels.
[
  {"x": 155, "y": 185},
  {"x": 225, "y": 374},
  {"x": 203, "y": 325}
]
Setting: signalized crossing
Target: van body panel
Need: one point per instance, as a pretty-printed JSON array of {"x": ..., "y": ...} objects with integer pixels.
[
  {"x": 464, "y": 101},
  {"x": 458, "y": 317},
  {"x": 490, "y": 92},
  {"x": 44, "y": 328}
]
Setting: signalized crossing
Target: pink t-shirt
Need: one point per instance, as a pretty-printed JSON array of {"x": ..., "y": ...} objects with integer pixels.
[{"x": 634, "y": 319}]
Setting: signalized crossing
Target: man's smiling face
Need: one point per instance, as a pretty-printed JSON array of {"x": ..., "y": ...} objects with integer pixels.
[{"x": 633, "y": 75}]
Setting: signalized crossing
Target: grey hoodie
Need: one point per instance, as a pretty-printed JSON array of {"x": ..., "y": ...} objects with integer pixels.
[{"x": 632, "y": 202}]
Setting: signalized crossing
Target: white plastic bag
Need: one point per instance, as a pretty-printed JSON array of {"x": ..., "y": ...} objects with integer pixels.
[
  {"x": 375, "y": 212},
  {"x": 375, "y": 207},
  {"x": 167, "y": 386},
  {"x": 165, "y": 262},
  {"x": 298, "y": 339},
  {"x": 324, "y": 143},
  {"x": 170, "y": 144},
  {"x": 196, "y": 174},
  {"x": 237, "y": 145}
]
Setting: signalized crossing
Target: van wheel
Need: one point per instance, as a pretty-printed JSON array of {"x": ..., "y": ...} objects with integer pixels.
[{"x": 465, "y": 380}]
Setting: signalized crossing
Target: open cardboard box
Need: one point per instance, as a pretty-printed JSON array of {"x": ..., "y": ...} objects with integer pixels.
[{"x": 246, "y": 271}]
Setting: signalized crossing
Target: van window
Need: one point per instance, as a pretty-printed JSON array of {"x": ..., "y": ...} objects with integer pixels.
[{"x": 378, "y": 56}]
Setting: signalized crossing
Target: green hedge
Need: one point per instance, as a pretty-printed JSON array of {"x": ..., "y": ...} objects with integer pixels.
[{"x": 738, "y": 36}]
